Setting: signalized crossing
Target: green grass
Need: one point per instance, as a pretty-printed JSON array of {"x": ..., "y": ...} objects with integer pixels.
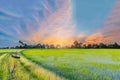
[
  {"x": 10, "y": 50},
  {"x": 7, "y": 63},
  {"x": 0, "y": 54},
  {"x": 76, "y": 64},
  {"x": 4, "y": 73},
  {"x": 39, "y": 72},
  {"x": 23, "y": 69},
  {"x": 61, "y": 64}
]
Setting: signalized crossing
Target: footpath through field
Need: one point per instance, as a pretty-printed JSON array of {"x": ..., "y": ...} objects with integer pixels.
[{"x": 23, "y": 69}]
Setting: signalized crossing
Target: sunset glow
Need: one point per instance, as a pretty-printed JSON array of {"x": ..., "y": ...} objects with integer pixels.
[{"x": 59, "y": 22}]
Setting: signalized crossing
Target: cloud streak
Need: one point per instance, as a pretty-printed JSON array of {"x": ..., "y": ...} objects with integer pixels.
[
  {"x": 56, "y": 26},
  {"x": 51, "y": 22},
  {"x": 4, "y": 14},
  {"x": 110, "y": 31}
]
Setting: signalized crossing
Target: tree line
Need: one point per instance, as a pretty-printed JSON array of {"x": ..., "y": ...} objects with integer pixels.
[{"x": 75, "y": 44}]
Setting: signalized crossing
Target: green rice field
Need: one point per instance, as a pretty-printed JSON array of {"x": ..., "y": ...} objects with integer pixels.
[{"x": 60, "y": 64}]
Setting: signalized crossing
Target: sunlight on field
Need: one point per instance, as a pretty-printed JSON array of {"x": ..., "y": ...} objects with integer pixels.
[
  {"x": 23, "y": 69},
  {"x": 39, "y": 72},
  {"x": 75, "y": 64},
  {"x": 61, "y": 64},
  {"x": 10, "y": 50}
]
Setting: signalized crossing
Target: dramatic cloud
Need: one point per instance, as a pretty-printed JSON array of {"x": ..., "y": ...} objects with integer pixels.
[
  {"x": 110, "y": 31},
  {"x": 52, "y": 22},
  {"x": 56, "y": 27}
]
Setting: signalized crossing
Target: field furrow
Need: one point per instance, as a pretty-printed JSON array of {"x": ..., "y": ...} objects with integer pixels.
[
  {"x": 20, "y": 73},
  {"x": 2, "y": 56},
  {"x": 78, "y": 64},
  {"x": 39, "y": 72},
  {"x": 12, "y": 69},
  {"x": 4, "y": 72},
  {"x": 23, "y": 69},
  {"x": 60, "y": 64}
]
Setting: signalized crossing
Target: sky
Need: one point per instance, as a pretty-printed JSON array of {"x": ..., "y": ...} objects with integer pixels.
[{"x": 59, "y": 21}]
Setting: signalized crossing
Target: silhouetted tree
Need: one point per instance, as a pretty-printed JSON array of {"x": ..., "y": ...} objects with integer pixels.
[
  {"x": 89, "y": 46},
  {"x": 58, "y": 46},
  {"x": 115, "y": 45},
  {"x": 52, "y": 46},
  {"x": 102, "y": 45},
  {"x": 77, "y": 44}
]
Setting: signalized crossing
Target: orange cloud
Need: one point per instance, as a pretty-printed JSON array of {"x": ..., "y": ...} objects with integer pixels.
[
  {"x": 57, "y": 26},
  {"x": 95, "y": 38},
  {"x": 99, "y": 38},
  {"x": 110, "y": 31}
]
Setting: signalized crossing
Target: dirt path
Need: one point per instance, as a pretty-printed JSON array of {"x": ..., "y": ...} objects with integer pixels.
[
  {"x": 12, "y": 69},
  {"x": 38, "y": 71},
  {"x": 17, "y": 70},
  {"x": 23, "y": 69}
]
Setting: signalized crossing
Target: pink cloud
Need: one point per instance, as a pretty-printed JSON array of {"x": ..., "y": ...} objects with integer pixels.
[
  {"x": 56, "y": 25},
  {"x": 110, "y": 31}
]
